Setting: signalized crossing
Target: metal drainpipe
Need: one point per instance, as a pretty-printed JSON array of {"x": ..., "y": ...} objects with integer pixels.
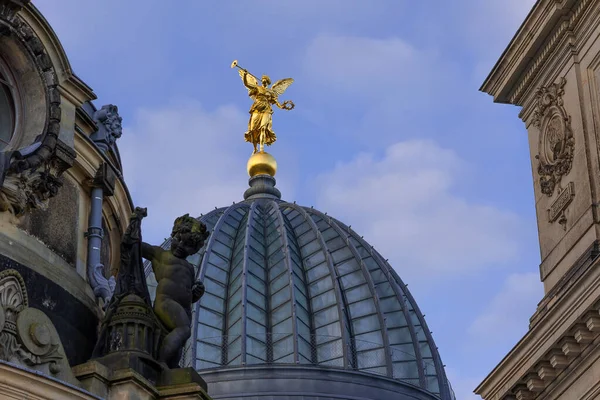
[{"x": 95, "y": 234}]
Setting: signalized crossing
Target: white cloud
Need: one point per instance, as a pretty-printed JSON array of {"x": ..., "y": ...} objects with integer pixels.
[
  {"x": 404, "y": 205},
  {"x": 184, "y": 159},
  {"x": 508, "y": 313}
]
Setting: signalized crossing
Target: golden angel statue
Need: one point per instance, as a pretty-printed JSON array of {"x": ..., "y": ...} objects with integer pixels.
[{"x": 260, "y": 125}]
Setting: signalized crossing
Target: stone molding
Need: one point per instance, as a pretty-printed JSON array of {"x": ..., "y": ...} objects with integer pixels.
[{"x": 543, "y": 55}]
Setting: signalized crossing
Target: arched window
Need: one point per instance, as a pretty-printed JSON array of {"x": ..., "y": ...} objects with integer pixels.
[{"x": 8, "y": 115}]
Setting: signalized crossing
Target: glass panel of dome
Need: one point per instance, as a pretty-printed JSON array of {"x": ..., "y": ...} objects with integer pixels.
[
  {"x": 256, "y": 314},
  {"x": 250, "y": 359},
  {"x": 256, "y": 283},
  {"x": 303, "y": 329},
  {"x": 208, "y": 352},
  {"x": 371, "y": 358},
  {"x": 255, "y": 296},
  {"x": 277, "y": 269},
  {"x": 328, "y": 233},
  {"x": 399, "y": 336},
  {"x": 212, "y": 302},
  {"x": 336, "y": 244},
  {"x": 302, "y": 228},
  {"x": 235, "y": 285},
  {"x": 206, "y": 365},
  {"x": 406, "y": 370},
  {"x": 218, "y": 261},
  {"x": 296, "y": 220},
  {"x": 320, "y": 286},
  {"x": 217, "y": 274},
  {"x": 389, "y": 305},
  {"x": 279, "y": 283},
  {"x": 254, "y": 328},
  {"x": 283, "y": 348},
  {"x": 330, "y": 350},
  {"x": 301, "y": 299},
  {"x": 395, "y": 319},
  {"x": 228, "y": 230},
  {"x": 326, "y": 316},
  {"x": 377, "y": 275},
  {"x": 358, "y": 293},
  {"x": 429, "y": 366},
  {"x": 280, "y": 313},
  {"x": 365, "y": 324},
  {"x": 370, "y": 340},
  {"x": 221, "y": 249},
  {"x": 314, "y": 259},
  {"x": 317, "y": 272},
  {"x": 235, "y": 299},
  {"x": 425, "y": 350},
  {"x": 307, "y": 237},
  {"x": 371, "y": 263},
  {"x": 323, "y": 300},
  {"x": 208, "y": 331},
  {"x": 235, "y": 329},
  {"x": 433, "y": 384},
  {"x": 348, "y": 266},
  {"x": 338, "y": 362},
  {"x": 210, "y": 318},
  {"x": 304, "y": 349},
  {"x": 280, "y": 297},
  {"x": 273, "y": 247},
  {"x": 403, "y": 352},
  {"x": 310, "y": 248},
  {"x": 376, "y": 371},
  {"x": 283, "y": 327},
  {"x": 327, "y": 332},
  {"x": 384, "y": 289},
  {"x": 235, "y": 313},
  {"x": 352, "y": 279}
]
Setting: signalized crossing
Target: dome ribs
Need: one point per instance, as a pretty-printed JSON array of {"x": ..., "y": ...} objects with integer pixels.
[
  {"x": 369, "y": 282},
  {"x": 342, "y": 316},
  {"x": 283, "y": 234},
  {"x": 217, "y": 281}
]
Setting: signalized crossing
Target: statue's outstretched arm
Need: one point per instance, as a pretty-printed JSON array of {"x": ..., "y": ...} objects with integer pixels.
[{"x": 151, "y": 254}]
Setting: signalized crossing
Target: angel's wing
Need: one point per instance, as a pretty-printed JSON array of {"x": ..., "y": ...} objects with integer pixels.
[
  {"x": 250, "y": 80},
  {"x": 280, "y": 86}
]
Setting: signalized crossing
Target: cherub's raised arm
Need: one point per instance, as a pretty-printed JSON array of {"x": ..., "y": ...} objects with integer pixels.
[{"x": 148, "y": 251}]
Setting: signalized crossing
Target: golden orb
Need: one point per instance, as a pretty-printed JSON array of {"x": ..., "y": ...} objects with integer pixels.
[{"x": 261, "y": 163}]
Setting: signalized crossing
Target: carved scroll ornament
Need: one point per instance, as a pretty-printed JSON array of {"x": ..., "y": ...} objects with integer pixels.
[{"x": 556, "y": 146}]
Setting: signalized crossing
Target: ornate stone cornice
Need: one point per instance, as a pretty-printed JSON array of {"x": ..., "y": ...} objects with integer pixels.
[{"x": 541, "y": 58}]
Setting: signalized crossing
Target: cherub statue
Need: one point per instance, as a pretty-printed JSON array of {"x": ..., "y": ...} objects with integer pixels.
[
  {"x": 260, "y": 126},
  {"x": 177, "y": 288}
]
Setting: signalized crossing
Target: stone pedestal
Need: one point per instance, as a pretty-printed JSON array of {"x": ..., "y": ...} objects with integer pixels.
[{"x": 129, "y": 383}]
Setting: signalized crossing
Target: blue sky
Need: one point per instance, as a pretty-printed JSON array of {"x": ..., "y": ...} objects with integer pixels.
[{"x": 389, "y": 134}]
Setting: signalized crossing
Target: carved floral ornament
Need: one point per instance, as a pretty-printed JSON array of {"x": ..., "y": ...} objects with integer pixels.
[
  {"x": 27, "y": 336},
  {"x": 556, "y": 146}
]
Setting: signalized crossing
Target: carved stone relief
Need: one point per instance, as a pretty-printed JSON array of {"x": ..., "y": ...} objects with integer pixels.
[
  {"x": 30, "y": 176},
  {"x": 27, "y": 336},
  {"x": 556, "y": 146},
  {"x": 109, "y": 127}
]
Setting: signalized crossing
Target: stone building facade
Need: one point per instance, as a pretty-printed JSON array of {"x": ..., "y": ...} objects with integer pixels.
[{"x": 551, "y": 69}]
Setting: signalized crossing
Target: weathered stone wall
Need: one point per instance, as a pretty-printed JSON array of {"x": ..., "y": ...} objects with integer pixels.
[{"x": 57, "y": 226}]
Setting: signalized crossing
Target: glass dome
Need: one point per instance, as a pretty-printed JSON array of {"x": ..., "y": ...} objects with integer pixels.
[{"x": 288, "y": 285}]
